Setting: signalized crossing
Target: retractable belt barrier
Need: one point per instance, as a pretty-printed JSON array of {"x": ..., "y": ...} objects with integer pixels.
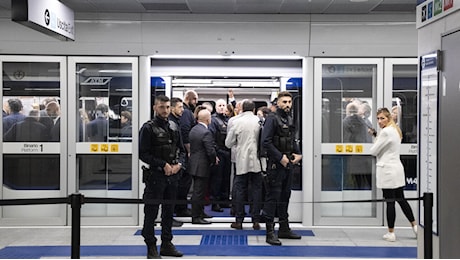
[{"x": 76, "y": 200}]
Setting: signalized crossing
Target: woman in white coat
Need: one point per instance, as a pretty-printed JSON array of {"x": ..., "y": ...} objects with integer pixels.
[{"x": 390, "y": 171}]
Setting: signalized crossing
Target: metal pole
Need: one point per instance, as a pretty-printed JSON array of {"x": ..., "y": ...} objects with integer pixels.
[
  {"x": 428, "y": 229},
  {"x": 76, "y": 200}
]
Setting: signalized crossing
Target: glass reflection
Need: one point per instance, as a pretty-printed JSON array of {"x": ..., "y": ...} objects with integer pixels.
[
  {"x": 31, "y": 172},
  {"x": 104, "y": 172},
  {"x": 404, "y": 105},
  {"x": 31, "y": 108},
  {"x": 105, "y": 102}
]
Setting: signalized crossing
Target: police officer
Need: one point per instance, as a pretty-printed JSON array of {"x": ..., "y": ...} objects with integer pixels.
[
  {"x": 279, "y": 143},
  {"x": 220, "y": 179},
  {"x": 160, "y": 146}
]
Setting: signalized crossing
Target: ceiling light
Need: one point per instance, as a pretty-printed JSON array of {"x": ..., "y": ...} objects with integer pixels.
[{"x": 358, "y": 1}]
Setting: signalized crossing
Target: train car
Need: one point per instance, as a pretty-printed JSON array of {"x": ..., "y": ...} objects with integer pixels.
[{"x": 312, "y": 55}]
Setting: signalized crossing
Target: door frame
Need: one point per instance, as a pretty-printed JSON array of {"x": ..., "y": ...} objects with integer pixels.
[{"x": 60, "y": 148}]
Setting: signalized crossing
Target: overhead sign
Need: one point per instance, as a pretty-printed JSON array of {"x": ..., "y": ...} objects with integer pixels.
[
  {"x": 431, "y": 10},
  {"x": 47, "y": 16}
]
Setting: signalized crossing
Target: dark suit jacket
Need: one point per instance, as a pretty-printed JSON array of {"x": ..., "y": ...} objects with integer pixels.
[
  {"x": 202, "y": 151},
  {"x": 55, "y": 134},
  {"x": 28, "y": 130},
  {"x": 97, "y": 130}
]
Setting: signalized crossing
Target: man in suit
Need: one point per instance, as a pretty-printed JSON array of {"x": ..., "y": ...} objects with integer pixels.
[
  {"x": 97, "y": 130},
  {"x": 53, "y": 112},
  {"x": 202, "y": 156},
  {"x": 27, "y": 130}
]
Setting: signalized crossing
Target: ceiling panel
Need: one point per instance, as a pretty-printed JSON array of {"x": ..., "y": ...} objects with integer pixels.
[
  {"x": 212, "y": 6},
  {"x": 236, "y": 6}
]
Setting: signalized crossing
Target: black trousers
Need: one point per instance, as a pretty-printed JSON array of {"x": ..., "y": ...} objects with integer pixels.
[
  {"x": 397, "y": 195},
  {"x": 159, "y": 188},
  {"x": 185, "y": 182},
  {"x": 200, "y": 187},
  {"x": 278, "y": 182}
]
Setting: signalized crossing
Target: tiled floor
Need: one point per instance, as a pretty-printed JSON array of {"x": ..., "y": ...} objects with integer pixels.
[{"x": 209, "y": 241}]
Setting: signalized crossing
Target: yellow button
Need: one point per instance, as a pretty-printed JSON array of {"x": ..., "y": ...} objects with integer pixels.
[
  {"x": 349, "y": 148},
  {"x": 94, "y": 147},
  {"x": 104, "y": 147},
  {"x": 359, "y": 148},
  {"x": 339, "y": 148},
  {"x": 114, "y": 148}
]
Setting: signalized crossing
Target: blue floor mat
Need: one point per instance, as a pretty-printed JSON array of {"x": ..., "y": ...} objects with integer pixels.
[
  {"x": 247, "y": 232},
  {"x": 36, "y": 252}
]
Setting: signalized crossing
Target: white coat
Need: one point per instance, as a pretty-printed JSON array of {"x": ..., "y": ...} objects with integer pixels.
[
  {"x": 244, "y": 134},
  {"x": 389, "y": 170}
]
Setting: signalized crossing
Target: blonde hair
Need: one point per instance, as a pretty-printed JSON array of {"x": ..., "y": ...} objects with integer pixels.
[{"x": 385, "y": 112}]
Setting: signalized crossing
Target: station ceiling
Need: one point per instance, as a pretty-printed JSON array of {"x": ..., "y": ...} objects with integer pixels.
[{"x": 235, "y": 6}]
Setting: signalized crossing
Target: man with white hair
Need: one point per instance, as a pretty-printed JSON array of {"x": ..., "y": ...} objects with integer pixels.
[{"x": 220, "y": 179}]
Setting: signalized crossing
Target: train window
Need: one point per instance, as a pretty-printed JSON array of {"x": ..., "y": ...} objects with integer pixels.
[
  {"x": 347, "y": 103},
  {"x": 31, "y": 108},
  {"x": 105, "y": 102},
  {"x": 31, "y": 113},
  {"x": 404, "y": 105}
]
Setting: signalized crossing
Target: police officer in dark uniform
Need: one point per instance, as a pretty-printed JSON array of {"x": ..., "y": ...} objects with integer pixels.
[
  {"x": 160, "y": 146},
  {"x": 279, "y": 143},
  {"x": 220, "y": 179}
]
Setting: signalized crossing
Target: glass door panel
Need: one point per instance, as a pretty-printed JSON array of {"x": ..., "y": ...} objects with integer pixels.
[
  {"x": 33, "y": 161},
  {"x": 401, "y": 83},
  {"x": 103, "y": 137},
  {"x": 347, "y": 92}
]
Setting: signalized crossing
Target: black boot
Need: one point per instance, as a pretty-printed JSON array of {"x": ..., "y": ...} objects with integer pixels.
[
  {"x": 152, "y": 251},
  {"x": 168, "y": 249},
  {"x": 271, "y": 237},
  {"x": 286, "y": 232}
]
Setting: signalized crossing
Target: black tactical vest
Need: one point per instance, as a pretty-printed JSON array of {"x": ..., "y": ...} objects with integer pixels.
[
  {"x": 221, "y": 132},
  {"x": 165, "y": 141},
  {"x": 284, "y": 134}
]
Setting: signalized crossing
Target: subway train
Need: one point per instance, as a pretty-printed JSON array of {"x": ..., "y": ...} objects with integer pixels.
[
  {"x": 334, "y": 169},
  {"x": 311, "y": 55}
]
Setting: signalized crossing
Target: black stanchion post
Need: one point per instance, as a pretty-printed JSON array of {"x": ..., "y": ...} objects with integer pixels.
[
  {"x": 428, "y": 229},
  {"x": 76, "y": 200}
]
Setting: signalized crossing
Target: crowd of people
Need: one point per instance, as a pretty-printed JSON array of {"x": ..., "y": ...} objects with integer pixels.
[
  {"x": 197, "y": 147},
  {"x": 41, "y": 123}
]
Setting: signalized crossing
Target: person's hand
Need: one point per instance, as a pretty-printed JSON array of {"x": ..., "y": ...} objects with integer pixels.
[
  {"x": 372, "y": 132},
  {"x": 297, "y": 158},
  {"x": 230, "y": 93},
  {"x": 168, "y": 169},
  {"x": 284, "y": 161},
  {"x": 176, "y": 168}
]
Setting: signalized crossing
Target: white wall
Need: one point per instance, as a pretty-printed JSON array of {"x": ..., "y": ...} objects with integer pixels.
[
  {"x": 148, "y": 34},
  {"x": 429, "y": 40}
]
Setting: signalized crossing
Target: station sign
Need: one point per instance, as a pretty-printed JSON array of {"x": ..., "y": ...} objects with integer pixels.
[
  {"x": 31, "y": 148},
  {"x": 47, "y": 16},
  {"x": 429, "y": 11}
]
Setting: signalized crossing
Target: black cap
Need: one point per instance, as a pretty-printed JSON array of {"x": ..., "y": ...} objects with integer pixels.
[{"x": 274, "y": 101}]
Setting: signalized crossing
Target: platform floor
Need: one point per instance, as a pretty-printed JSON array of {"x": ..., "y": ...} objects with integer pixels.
[{"x": 217, "y": 240}]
